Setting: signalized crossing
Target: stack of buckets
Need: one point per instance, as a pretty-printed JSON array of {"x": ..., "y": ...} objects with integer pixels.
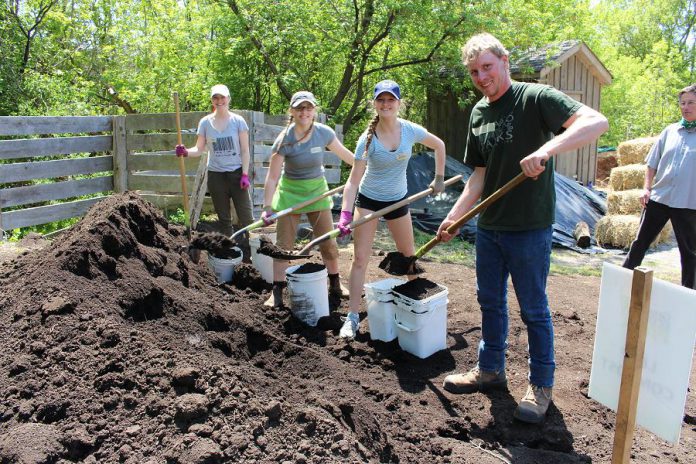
[
  {"x": 419, "y": 325},
  {"x": 224, "y": 268}
]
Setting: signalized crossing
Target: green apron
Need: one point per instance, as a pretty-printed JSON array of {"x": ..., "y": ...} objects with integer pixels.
[{"x": 293, "y": 191}]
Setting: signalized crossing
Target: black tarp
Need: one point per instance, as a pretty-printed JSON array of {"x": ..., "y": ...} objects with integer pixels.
[{"x": 574, "y": 203}]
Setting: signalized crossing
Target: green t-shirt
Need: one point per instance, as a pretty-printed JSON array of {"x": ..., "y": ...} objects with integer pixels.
[{"x": 500, "y": 135}]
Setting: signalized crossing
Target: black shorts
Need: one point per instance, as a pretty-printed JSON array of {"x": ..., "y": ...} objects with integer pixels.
[{"x": 375, "y": 205}]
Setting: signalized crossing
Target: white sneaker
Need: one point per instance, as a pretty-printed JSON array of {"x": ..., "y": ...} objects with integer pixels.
[{"x": 350, "y": 326}]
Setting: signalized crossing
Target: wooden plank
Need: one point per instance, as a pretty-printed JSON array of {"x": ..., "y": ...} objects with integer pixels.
[
  {"x": 200, "y": 186},
  {"x": 172, "y": 202},
  {"x": 563, "y": 82},
  {"x": 638, "y": 311},
  {"x": 45, "y": 214},
  {"x": 163, "y": 121},
  {"x": 161, "y": 161},
  {"x": 157, "y": 142},
  {"x": 277, "y": 119},
  {"x": 18, "y": 172},
  {"x": 266, "y": 133},
  {"x": 17, "y": 196},
  {"x": 170, "y": 183},
  {"x": 578, "y": 79},
  {"x": 29, "y": 148},
  {"x": 34, "y": 125},
  {"x": 120, "y": 153},
  {"x": 570, "y": 73}
]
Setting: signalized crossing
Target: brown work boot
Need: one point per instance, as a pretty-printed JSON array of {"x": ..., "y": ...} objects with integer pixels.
[
  {"x": 534, "y": 405},
  {"x": 475, "y": 380}
]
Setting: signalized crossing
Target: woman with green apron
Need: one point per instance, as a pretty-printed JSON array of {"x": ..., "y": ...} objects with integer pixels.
[{"x": 296, "y": 174}]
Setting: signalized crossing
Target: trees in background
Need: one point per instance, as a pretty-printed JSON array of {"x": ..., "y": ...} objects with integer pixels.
[{"x": 114, "y": 56}]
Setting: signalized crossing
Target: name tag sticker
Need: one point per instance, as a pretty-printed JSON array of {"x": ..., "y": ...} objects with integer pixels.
[
  {"x": 402, "y": 156},
  {"x": 316, "y": 150}
]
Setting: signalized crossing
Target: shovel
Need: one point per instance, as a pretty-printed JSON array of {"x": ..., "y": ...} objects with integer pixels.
[
  {"x": 397, "y": 264},
  {"x": 286, "y": 211},
  {"x": 193, "y": 253},
  {"x": 304, "y": 252}
]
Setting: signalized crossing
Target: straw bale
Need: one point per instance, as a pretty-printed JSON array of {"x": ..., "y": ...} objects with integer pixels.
[
  {"x": 625, "y": 202},
  {"x": 634, "y": 151},
  {"x": 619, "y": 230},
  {"x": 605, "y": 163},
  {"x": 627, "y": 177}
]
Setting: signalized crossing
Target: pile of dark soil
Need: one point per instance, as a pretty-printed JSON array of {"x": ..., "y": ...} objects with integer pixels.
[{"x": 116, "y": 347}]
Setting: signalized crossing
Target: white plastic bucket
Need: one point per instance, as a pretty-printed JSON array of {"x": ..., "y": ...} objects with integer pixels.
[
  {"x": 380, "y": 309},
  {"x": 262, "y": 263},
  {"x": 308, "y": 295},
  {"x": 422, "y": 324},
  {"x": 224, "y": 268}
]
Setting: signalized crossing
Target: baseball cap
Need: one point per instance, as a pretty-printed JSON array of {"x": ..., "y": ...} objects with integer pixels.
[
  {"x": 220, "y": 89},
  {"x": 388, "y": 86},
  {"x": 302, "y": 96}
]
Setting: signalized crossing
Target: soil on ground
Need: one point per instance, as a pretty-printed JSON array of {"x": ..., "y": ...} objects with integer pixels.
[{"x": 117, "y": 347}]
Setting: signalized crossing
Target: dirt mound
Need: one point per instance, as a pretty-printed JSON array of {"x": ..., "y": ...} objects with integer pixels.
[{"x": 116, "y": 347}]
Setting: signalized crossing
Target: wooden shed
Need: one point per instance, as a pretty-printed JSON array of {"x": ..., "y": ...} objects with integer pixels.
[{"x": 569, "y": 66}]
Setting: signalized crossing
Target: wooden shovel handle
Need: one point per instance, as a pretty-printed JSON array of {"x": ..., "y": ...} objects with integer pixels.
[
  {"x": 399, "y": 204},
  {"x": 377, "y": 214},
  {"x": 182, "y": 166},
  {"x": 517, "y": 180}
]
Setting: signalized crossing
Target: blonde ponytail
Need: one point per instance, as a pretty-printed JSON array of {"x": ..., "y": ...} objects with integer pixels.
[{"x": 370, "y": 133}]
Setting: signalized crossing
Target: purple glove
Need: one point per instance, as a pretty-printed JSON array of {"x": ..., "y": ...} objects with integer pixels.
[
  {"x": 244, "y": 182},
  {"x": 344, "y": 223},
  {"x": 181, "y": 150},
  {"x": 266, "y": 216}
]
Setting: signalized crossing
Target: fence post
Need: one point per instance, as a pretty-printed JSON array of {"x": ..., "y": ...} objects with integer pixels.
[
  {"x": 339, "y": 132},
  {"x": 120, "y": 152},
  {"x": 639, "y": 308},
  {"x": 257, "y": 117}
]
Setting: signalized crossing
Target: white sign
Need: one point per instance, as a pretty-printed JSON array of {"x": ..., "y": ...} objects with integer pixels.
[{"x": 669, "y": 348}]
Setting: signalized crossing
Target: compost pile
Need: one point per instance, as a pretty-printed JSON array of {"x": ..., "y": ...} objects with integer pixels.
[{"x": 116, "y": 347}]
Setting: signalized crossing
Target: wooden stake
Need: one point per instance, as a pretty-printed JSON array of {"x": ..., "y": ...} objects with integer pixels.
[{"x": 638, "y": 311}]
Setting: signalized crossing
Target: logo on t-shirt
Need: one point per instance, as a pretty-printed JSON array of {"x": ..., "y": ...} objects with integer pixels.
[
  {"x": 224, "y": 146},
  {"x": 491, "y": 134}
]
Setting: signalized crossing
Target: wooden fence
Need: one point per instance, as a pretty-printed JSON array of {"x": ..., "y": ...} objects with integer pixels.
[{"x": 49, "y": 162}]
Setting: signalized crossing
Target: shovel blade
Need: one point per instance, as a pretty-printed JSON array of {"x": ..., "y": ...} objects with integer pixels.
[{"x": 397, "y": 264}]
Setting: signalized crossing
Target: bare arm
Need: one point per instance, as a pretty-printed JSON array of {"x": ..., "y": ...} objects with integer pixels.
[
  {"x": 337, "y": 147},
  {"x": 272, "y": 177},
  {"x": 583, "y": 127},
  {"x": 435, "y": 143},
  {"x": 199, "y": 148},
  {"x": 351, "y": 189},
  {"x": 466, "y": 201},
  {"x": 244, "y": 147}
]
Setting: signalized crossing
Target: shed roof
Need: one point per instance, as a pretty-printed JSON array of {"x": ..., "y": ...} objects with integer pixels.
[{"x": 537, "y": 62}]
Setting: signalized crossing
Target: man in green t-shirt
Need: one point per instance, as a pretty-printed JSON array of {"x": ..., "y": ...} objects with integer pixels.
[{"x": 514, "y": 127}]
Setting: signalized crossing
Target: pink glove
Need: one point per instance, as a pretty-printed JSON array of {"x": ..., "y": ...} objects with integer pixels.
[
  {"x": 266, "y": 216},
  {"x": 244, "y": 182},
  {"x": 181, "y": 150},
  {"x": 344, "y": 223}
]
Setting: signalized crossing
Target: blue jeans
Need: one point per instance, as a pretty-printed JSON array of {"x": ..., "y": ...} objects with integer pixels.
[{"x": 525, "y": 256}]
